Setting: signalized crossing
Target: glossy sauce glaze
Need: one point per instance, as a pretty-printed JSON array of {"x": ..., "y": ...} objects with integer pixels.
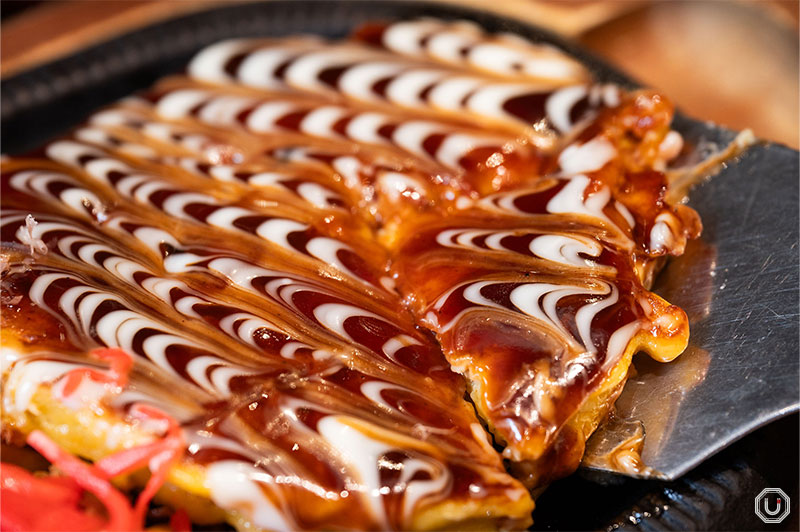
[{"x": 300, "y": 241}]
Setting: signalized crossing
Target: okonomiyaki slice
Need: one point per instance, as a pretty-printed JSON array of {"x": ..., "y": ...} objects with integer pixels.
[{"x": 535, "y": 297}]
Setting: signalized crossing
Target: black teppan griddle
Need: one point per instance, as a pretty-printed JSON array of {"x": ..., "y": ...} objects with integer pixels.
[{"x": 717, "y": 495}]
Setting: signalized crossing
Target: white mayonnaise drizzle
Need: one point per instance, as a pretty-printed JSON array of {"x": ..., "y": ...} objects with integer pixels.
[
  {"x": 463, "y": 43},
  {"x": 662, "y": 236},
  {"x": 236, "y": 485},
  {"x": 553, "y": 247},
  {"x": 363, "y": 454},
  {"x": 572, "y": 199},
  {"x": 25, "y": 377},
  {"x": 559, "y": 106},
  {"x": 539, "y": 300},
  {"x": 119, "y": 328},
  {"x": 587, "y": 157}
]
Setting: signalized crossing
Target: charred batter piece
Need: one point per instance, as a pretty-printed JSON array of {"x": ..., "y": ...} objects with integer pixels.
[{"x": 276, "y": 291}]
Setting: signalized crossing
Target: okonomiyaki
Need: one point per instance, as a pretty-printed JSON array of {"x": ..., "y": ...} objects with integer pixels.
[{"x": 392, "y": 282}]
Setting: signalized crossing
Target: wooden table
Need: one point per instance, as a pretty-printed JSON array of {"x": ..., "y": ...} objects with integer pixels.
[{"x": 732, "y": 62}]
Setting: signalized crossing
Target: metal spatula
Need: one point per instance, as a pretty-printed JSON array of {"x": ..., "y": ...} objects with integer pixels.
[{"x": 739, "y": 285}]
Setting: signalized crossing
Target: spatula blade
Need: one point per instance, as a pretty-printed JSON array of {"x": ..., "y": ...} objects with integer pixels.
[{"x": 739, "y": 286}]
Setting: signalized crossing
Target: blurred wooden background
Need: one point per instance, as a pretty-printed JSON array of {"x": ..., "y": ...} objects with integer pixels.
[{"x": 734, "y": 62}]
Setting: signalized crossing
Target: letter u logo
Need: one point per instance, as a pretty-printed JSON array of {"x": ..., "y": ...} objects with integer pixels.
[{"x": 777, "y": 509}]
